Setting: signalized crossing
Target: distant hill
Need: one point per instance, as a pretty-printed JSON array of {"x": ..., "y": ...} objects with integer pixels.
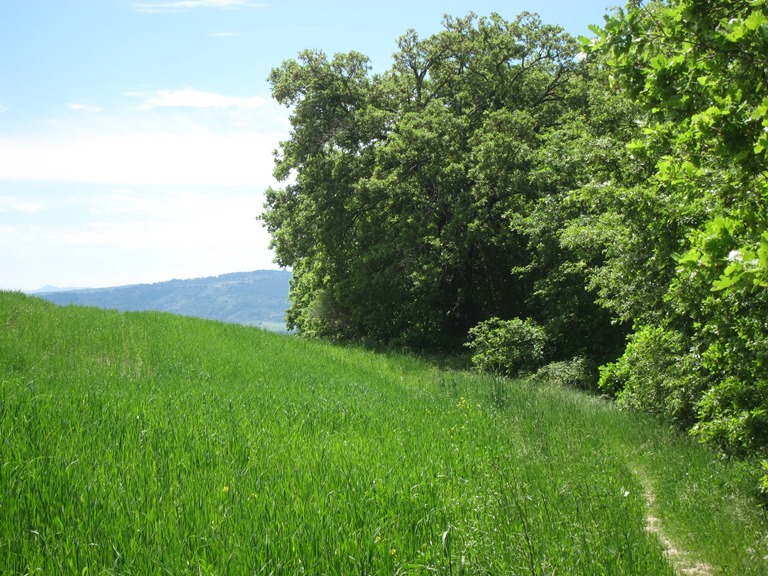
[
  {"x": 258, "y": 298},
  {"x": 49, "y": 288}
]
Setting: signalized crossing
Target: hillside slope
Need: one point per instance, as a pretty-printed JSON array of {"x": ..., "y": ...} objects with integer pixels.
[
  {"x": 258, "y": 298},
  {"x": 147, "y": 443}
]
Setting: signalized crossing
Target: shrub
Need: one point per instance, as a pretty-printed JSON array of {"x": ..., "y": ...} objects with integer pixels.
[
  {"x": 733, "y": 415},
  {"x": 326, "y": 318},
  {"x": 577, "y": 372},
  {"x": 656, "y": 375},
  {"x": 508, "y": 347}
]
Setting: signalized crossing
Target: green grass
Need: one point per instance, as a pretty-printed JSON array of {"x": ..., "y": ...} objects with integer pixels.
[{"x": 144, "y": 443}]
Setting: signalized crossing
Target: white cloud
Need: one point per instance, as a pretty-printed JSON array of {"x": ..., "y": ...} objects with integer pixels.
[
  {"x": 83, "y": 108},
  {"x": 114, "y": 237},
  {"x": 11, "y": 204},
  {"x": 191, "y": 98},
  {"x": 179, "y": 219},
  {"x": 185, "y": 5},
  {"x": 174, "y": 155}
]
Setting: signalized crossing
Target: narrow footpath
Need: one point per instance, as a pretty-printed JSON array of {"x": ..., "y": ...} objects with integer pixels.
[{"x": 682, "y": 561}]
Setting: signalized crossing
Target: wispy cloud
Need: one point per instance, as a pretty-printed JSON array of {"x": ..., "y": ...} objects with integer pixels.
[
  {"x": 123, "y": 155},
  {"x": 11, "y": 204},
  {"x": 190, "y": 98},
  {"x": 144, "y": 218},
  {"x": 224, "y": 34},
  {"x": 83, "y": 108},
  {"x": 186, "y": 5},
  {"x": 103, "y": 237},
  {"x": 168, "y": 137}
]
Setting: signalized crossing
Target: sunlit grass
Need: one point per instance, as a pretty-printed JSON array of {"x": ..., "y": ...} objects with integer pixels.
[{"x": 143, "y": 443}]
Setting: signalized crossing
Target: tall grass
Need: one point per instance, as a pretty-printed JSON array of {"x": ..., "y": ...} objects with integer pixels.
[{"x": 143, "y": 443}]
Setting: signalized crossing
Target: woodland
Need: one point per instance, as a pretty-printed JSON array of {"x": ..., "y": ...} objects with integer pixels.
[{"x": 537, "y": 199}]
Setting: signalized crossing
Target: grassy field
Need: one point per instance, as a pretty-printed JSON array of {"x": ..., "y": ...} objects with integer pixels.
[{"x": 144, "y": 443}]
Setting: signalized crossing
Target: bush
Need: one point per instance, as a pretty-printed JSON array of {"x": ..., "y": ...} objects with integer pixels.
[
  {"x": 733, "y": 415},
  {"x": 656, "y": 375},
  {"x": 508, "y": 347},
  {"x": 577, "y": 372},
  {"x": 326, "y": 318}
]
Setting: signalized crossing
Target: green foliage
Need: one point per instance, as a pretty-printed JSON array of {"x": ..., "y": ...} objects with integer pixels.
[
  {"x": 728, "y": 312},
  {"x": 325, "y": 318},
  {"x": 195, "y": 447},
  {"x": 578, "y": 372},
  {"x": 733, "y": 416},
  {"x": 685, "y": 251},
  {"x": 509, "y": 347},
  {"x": 655, "y": 375},
  {"x": 764, "y": 478},
  {"x": 417, "y": 191}
]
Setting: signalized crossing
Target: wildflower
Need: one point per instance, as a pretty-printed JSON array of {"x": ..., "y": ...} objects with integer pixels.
[
  {"x": 735, "y": 256},
  {"x": 225, "y": 489}
]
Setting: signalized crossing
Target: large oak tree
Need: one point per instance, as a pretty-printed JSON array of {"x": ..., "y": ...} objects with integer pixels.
[{"x": 429, "y": 198}]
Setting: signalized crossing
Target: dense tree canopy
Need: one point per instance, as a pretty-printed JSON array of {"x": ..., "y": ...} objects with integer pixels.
[
  {"x": 425, "y": 199},
  {"x": 503, "y": 180},
  {"x": 700, "y": 346}
]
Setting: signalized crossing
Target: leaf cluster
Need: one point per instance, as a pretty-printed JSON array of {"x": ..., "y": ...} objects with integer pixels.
[{"x": 698, "y": 353}]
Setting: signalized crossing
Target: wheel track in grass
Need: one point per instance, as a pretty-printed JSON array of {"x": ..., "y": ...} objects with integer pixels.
[{"x": 682, "y": 561}]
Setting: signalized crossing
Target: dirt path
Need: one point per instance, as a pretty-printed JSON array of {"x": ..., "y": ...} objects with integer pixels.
[{"x": 682, "y": 561}]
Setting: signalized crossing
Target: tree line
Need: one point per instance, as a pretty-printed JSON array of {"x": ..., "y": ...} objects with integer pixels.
[{"x": 542, "y": 198}]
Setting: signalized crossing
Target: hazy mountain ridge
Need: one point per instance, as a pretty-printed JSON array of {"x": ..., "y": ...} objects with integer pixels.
[
  {"x": 49, "y": 288},
  {"x": 257, "y": 298}
]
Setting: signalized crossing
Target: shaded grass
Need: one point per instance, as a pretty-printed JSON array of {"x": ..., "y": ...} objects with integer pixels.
[{"x": 143, "y": 443}]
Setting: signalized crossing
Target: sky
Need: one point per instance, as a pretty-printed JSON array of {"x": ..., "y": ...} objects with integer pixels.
[{"x": 136, "y": 137}]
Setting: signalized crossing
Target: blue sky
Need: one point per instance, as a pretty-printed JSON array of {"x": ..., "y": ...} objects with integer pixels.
[{"x": 136, "y": 136}]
